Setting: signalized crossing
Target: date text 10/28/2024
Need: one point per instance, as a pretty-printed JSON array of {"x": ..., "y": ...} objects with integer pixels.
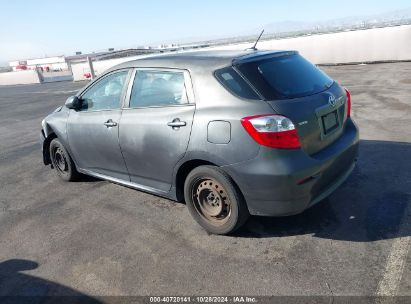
[{"x": 203, "y": 299}]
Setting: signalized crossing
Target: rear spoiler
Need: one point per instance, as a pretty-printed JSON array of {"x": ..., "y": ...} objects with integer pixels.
[{"x": 261, "y": 56}]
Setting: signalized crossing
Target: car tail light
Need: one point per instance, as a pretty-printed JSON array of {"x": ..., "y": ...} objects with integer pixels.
[
  {"x": 348, "y": 102},
  {"x": 274, "y": 131}
]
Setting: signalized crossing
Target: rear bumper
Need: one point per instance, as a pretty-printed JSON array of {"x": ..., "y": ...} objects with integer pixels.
[{"x": 285, "y": 182}]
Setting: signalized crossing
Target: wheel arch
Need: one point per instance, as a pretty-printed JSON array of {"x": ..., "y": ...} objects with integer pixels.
[
  {"x": 189, "y": 165},
  {"x": 46, "y": 146},
  {"x": 182, "y": 172}
]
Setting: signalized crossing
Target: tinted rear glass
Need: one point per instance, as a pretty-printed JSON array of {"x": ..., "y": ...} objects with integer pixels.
[{"x": 286, "y": 76}]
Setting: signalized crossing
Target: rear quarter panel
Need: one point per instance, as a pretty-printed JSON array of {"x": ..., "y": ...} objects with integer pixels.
[{"x": 215, "y": 103}]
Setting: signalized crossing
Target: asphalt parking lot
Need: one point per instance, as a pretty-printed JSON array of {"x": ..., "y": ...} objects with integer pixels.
[{"x": 97, "y": 238}]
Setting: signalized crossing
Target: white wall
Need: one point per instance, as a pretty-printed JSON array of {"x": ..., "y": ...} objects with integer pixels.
[
  {"x": 380, "y": 44},
  {"x": 57, "y": 76},
  {"x": 21, "y": 77}
]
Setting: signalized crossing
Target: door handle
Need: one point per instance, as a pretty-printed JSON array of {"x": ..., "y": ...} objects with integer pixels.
[
  {"x": 110, "y": 123},
  {"x": 176, "y": 123}
]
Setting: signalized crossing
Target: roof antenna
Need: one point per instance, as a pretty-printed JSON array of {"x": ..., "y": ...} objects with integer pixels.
[{"x": 254, "y": 48}]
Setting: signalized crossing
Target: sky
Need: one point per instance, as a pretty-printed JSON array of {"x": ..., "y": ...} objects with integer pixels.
[{"x": 39, "y": 28}]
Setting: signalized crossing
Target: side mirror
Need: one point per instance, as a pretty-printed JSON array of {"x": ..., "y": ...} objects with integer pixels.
[{"x": 73, "y": 102}]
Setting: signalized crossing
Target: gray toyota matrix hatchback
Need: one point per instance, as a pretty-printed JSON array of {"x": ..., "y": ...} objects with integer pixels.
[{"x": 230, "y": 133}]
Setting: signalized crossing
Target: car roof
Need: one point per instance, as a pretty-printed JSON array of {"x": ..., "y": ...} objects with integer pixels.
[{"x": 198, "y": 59}]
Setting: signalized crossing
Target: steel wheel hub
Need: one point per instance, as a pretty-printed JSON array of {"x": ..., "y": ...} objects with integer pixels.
[
  {"x": 211, "y": 201},
  {"x": 60, "y": 160}
]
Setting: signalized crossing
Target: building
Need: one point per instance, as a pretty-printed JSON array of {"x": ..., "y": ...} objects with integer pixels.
[
  {"x": 62, "y": 63},
  {"x": 56, "y": 63}
]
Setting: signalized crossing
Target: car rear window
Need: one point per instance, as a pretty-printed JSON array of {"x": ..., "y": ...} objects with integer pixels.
[
  {"x": 287, "y": 76},
  {"x": 234, "y": 83}
]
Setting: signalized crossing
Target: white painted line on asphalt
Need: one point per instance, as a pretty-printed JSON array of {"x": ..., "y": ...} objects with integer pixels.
[
  {"x": 65, "y": 92},
  {"x": 55, "y": 92},
  {"x": 396, "y": 261}
]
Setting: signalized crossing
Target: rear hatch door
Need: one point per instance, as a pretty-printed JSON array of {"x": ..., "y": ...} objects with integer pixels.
[
  {"x": 319, "y": 119},
  {"x": 300, "y": 91}
]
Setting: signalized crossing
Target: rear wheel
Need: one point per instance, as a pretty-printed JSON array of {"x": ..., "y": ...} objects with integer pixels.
[
  {"x": 62, "y": 161},
  {"x": 214, "y": 200}
]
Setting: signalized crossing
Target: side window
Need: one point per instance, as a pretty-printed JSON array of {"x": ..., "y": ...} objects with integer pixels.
[
  {"x": 105, "y": 94},
  {"x": 158, "y": 88},
  {"x": 233, "y": 82}
]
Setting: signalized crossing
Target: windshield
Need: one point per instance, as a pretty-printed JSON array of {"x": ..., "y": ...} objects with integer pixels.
[{"x": 287, "y": 76}]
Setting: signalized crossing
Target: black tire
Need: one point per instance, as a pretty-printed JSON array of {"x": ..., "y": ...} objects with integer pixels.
[
  {"x": 62, "y": 162},
  {"x": 214, "y": 200}
]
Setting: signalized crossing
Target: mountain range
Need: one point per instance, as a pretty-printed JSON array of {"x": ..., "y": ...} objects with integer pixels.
[{"x": 291, "y": 26}]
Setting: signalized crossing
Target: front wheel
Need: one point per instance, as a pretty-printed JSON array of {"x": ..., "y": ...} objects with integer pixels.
[
  {"x": 214, "y": 200},
  {"x": 62, "y": 161}
]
